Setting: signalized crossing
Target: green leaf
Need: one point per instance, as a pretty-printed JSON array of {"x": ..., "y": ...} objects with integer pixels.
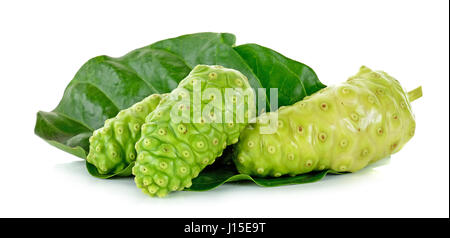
[
  {"x": 94, "y": 171},
  {"x": 105, "y": 85},
  {"x": 213, "y": 177},
  {"x": 224, "y": 171},
  {"x": 101, "y": 88},
  {"x": 293, "y": 79},
  {"x": 63, "y": 133}
]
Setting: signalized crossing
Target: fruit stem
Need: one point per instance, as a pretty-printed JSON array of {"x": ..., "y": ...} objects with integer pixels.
[{"x": 415, "y": 94}]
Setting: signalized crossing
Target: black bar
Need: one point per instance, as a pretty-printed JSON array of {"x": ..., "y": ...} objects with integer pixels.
[{"x": 228, "y": 227}]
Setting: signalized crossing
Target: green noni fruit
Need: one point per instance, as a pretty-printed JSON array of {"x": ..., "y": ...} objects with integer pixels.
[
  {"x": 342, "y": 128},
  {"x": 174, "y": 148},
  {"x": 111, "y": 147}
]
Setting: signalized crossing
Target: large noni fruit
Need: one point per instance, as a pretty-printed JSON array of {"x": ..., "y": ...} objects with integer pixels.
[
  {"x": 111, "y": 148},
  {"x": 171, "y": 152},
  {"x": 342, "y": 128}
]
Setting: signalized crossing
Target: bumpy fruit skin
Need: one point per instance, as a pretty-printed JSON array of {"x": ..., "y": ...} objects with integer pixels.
[
  {"x": 343, "y": 128},
  {"x": 170, "y": 153},
  {"x": 111, "y": 147}
]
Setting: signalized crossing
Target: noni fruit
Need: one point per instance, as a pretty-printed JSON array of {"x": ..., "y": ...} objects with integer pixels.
[
  {"x": 342, "y": 128},
  {"x": 111, "y": 147},
  {"x": 174, "y": 148}
]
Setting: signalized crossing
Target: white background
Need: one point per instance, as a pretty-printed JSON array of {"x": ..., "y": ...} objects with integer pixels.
[{"x": 43, "y": 44}]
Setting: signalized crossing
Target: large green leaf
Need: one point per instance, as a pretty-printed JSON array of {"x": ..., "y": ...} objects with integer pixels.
[
  {"x": 293, "y": 79},
  {"x": 212, "y": 178},
  {"x": 105, "y": 85},
  {"x": 224, "y": 171},
  {"x": 101, "y": 88}
]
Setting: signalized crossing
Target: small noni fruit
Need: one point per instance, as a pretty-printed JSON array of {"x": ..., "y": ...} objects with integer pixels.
[
  {"x": 342, "y": 128},
  {"x": 173, "y": 152},
  {"x": 111, "y": 147}
]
